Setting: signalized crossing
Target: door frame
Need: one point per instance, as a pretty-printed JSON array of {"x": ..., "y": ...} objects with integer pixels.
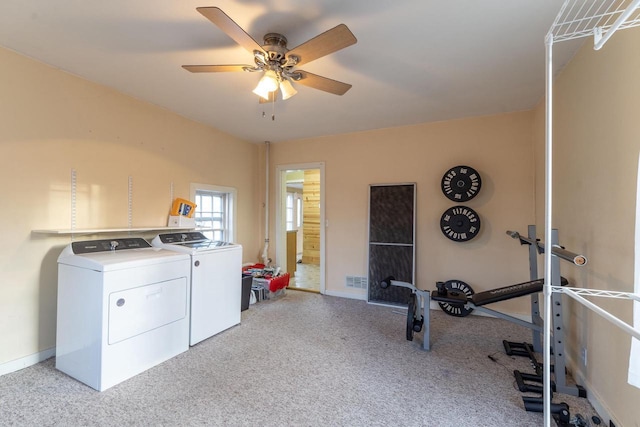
[{"x": 281, "y": 225}]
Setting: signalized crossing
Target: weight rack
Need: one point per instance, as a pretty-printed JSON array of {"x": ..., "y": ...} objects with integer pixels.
[{"x": 557, "y": 356}]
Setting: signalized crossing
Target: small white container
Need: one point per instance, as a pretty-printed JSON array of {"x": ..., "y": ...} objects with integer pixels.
[{"x": 181, "y": 221}]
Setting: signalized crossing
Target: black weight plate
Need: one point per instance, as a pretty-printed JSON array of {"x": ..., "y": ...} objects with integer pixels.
[
  {"x": 460, "y": 223},
  {"x": 411, "y": 315},
  {"x": 460, "y": 287},
  {"x": 461, "y": 183}
]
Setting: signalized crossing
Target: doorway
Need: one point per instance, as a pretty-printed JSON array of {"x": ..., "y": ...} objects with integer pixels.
[{"x": 300, "y": 225}]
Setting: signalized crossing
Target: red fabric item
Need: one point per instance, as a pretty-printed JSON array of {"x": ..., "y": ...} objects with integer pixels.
[
  {"x": 276, "y": 283},
  {"x": 279, "y": 282},
  {"x": 254, "y": 266}
]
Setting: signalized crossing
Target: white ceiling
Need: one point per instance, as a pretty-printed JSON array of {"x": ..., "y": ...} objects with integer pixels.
[{"x": 415, "y": 61}]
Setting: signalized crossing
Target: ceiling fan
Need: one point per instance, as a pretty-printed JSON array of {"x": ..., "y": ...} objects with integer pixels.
[{"x": 276, "y": 61}]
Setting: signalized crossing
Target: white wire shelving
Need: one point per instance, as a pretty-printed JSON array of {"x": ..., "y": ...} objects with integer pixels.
[
  {"x": 580, "y": 295},
  {"x": 597, "y": 18},
  {"x": 577, "y": 19}
]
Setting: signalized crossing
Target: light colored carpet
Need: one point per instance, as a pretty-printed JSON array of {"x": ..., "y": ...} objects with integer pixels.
[{"x": 302, "y": 359}]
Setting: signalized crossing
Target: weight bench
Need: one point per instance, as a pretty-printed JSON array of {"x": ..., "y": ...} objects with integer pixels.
[
  {"x": 478, "y": 301},
  {"x": 454, "y": 301},
  {"x": 458, "y": 303}
]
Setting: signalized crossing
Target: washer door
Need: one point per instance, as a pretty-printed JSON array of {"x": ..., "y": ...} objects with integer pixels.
[
  {"x": 216, "y": 289},
  {"x": 138, "y": 310}
]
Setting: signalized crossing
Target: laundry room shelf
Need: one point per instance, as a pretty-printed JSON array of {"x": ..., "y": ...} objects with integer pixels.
[{"x": 108, "y": 230}]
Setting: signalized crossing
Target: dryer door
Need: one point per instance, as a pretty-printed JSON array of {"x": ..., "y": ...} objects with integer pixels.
[{"x": 138, "y": 310}]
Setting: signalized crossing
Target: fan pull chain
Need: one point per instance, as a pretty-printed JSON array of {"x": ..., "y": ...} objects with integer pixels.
[
  {"x": 273, "y": 116},
  {"x": 273, "y": 109}
]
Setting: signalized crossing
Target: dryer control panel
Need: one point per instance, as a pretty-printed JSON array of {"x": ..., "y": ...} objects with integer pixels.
[{"x": 106, "y": 245}]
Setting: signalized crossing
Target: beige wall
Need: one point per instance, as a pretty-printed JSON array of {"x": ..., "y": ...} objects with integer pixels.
[
  {"x": 52, "y": 122},
  {"x": 596, "y": 145},
  {"x": 499, "y": 147}
]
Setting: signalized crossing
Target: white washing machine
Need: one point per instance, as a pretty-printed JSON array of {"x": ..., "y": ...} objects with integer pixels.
[
  {"x": 216, "y": 281},
  {"x": 123, "y": 307}
]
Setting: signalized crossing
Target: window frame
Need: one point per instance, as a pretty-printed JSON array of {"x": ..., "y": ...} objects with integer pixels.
[
  {"x": 295, "y": 209},
  {"x": 231, "y": 194}
]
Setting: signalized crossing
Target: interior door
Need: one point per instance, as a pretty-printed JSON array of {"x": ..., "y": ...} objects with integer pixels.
[
  {"x": 308, "y": 179},
  {"x": 391, "y": 240}
]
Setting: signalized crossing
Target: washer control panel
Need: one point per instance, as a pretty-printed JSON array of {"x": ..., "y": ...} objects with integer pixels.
[{"x": 190, "y": 236}]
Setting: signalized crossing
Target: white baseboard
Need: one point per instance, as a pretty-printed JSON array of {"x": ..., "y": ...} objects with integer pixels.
[
  {"x": 592, "y": 396},
  {"x": 526, "y": 317},
  {"x": 433, "y": 305},
  {"x": 23, "y": 362},
  {"x": 362, "y": 297}
]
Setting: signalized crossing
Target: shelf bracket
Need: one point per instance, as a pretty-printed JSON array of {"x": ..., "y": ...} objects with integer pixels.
[
  {"x": 73, "y": 200},
  {"x": 130, "y": 207},
  {"x": 597, "y": 36},
  {"x": 622, "y": 19}
]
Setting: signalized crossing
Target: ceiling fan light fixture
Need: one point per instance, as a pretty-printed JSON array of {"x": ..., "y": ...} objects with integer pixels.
[
  {"x": 276, "y": 60},
  {"x": 268, "y": 83},
  {"x": 287, "y": 89}
]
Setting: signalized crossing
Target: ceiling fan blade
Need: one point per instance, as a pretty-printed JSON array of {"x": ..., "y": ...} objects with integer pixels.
[
  {"x": 328, "y": 42},
  {"x": 214, "y": 68},
  {"x": 228, "y": 25},
  {"x": 322, "y": 83}
]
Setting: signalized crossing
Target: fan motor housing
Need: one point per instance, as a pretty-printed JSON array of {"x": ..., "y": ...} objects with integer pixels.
[{"x": 275, "y": 45}]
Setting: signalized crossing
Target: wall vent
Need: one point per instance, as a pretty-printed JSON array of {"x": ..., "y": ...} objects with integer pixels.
[{"x": 356, "y": 282}]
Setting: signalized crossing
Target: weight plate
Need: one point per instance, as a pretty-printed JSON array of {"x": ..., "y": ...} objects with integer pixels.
[
  {"x": 457, "y": 287},
  {"x": 461, "y": 183},
  {"x": 411, "y": 315},
  {"x": 460, "y": 223}
]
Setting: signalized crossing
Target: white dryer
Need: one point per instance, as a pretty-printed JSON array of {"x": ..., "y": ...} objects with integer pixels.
[
  {"x": 123, "y": 307},
  {"x": 216, "y": 281}
]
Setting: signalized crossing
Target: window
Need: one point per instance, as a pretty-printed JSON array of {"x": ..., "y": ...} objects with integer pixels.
[
  {"x": 215, "y": 211},
  {"x": 294, "y": 211},
  {"x": 290, "y": 212}
]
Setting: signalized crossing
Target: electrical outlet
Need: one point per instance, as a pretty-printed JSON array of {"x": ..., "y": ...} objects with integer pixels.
[{"x": 583, "y": 356}]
